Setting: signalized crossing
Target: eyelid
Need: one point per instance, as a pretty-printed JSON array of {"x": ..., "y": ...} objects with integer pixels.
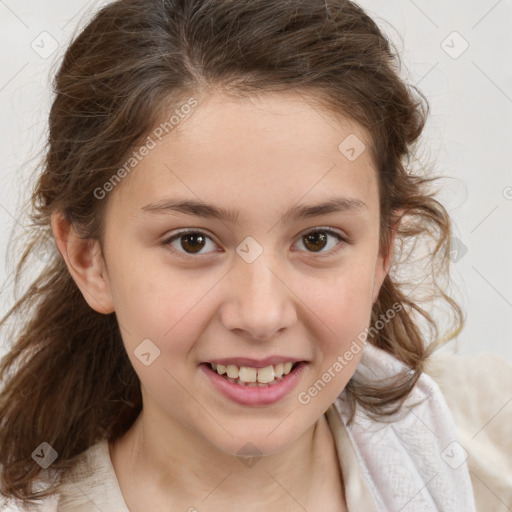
[
  {"x": 326, "y": 229},
  {"x": 167, "y": 242},
  {"x": 331, "y": 231}
]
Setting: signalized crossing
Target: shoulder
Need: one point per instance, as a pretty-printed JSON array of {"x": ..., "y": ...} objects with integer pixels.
[
  {"x": 403, "y": 456},
  {"x": 478, "y": 391},
  {"x": 92, "y": 484},
  {"x": 47, "y": 505},
  {"x": 89, "y": 486}
]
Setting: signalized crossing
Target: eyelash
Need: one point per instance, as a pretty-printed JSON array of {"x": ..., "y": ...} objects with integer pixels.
[{"x": 186, "y": 255}]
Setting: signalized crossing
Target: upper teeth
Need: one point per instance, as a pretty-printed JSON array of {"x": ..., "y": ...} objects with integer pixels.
[{"x": 248, "y": 374}]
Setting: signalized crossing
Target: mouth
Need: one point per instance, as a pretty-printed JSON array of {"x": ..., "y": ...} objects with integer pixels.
[
  {"x": 259, "y": 385},
  {"x": 250, "y": 376}
]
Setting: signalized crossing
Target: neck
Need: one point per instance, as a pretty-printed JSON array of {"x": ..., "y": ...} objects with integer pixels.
[{"x": 184, "y": 469}]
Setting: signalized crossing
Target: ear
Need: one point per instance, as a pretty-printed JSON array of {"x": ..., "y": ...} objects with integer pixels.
[
  {"x": 85, "y": 264},
  {"x": 384, "y": 261}
]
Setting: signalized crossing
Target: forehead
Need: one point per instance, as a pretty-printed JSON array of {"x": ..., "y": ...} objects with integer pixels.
[{"x": 254, "y": 153}]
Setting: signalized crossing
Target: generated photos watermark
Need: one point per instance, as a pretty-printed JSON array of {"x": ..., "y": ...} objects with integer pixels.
[
  {"x": 162, "y": 130},
  {"x": 343, "y": 360}
]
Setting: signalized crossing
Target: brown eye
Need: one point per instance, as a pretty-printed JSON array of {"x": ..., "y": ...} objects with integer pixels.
[
  {"x": 190, "y": 242},
  {"x": 317, "y": 240}
]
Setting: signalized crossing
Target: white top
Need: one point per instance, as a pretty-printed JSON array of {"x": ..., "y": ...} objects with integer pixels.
[{"x": 413, "y": 464}]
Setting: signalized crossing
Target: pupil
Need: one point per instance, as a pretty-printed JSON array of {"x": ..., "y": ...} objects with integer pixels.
[
  {"x": 315, "y": 238},
  {"x": 194, "y": 242}
]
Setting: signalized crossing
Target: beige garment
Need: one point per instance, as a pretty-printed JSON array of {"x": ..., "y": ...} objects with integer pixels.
[
  {"x": 98, "y": 488},
  {"x": 92, "y": 485},
  {"x": 478, "y": 390}
]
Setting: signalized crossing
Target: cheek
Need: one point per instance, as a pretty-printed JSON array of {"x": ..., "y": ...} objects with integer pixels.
[
  {"x": 172, "y": 306},
  {"x": 342, "y": 313},
  {"x": 341, "y": 303},
  {"x": 163, "y": 305}
]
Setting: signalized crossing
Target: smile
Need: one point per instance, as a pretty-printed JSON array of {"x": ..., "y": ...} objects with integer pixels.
[
  {"x": 254, "y": 386},
  {"x": 249, "y": 376}
]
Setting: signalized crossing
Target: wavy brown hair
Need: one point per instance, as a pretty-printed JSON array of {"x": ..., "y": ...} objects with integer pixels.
[{"x": 67, "y": 379}]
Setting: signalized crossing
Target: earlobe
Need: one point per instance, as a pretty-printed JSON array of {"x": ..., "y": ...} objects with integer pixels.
[{"x": 85, "y": 263}]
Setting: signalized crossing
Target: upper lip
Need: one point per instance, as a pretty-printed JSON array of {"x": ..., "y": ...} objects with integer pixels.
[{"x": 254, "y": 363}]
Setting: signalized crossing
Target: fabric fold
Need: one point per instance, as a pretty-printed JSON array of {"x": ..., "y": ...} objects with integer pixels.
[{"x": 412, "y": 462}]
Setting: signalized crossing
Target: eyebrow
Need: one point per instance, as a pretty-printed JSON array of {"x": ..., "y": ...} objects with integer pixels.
[{"x": 339, "y": 204}]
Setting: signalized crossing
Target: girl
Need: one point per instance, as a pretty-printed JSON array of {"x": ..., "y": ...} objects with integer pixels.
[{"x": 220, "y": 323}]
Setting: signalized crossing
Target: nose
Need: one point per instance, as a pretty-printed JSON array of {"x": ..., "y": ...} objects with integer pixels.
[{"x": 259, "y": 302}]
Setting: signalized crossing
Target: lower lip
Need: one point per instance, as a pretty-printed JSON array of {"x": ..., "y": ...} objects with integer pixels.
[{"x": 246, "y": 395}]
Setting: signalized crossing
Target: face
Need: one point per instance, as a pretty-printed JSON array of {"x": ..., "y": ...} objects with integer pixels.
[{"x": 271, "y": 280}]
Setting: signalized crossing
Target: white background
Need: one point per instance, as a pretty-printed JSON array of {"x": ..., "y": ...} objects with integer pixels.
[{"x": 468, "y": 133}]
